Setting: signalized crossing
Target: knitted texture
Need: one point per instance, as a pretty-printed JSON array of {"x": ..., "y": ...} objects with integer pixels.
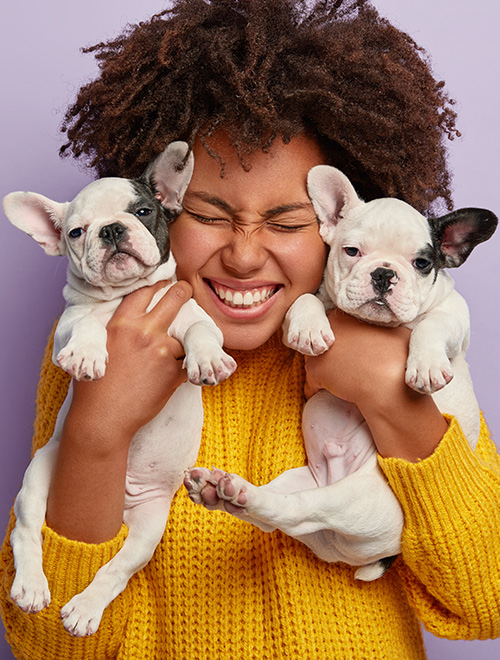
[{"x": 219, "y": 588}]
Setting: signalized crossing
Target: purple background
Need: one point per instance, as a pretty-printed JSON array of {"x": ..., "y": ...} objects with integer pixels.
[{"x": 41, "y": 67}]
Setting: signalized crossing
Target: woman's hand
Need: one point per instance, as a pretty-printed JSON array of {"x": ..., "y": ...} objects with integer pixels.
[
  {"x": 87, "y": 491},
  {"x": 144, "y": 367},
  {"x": 366, "y": 365}
]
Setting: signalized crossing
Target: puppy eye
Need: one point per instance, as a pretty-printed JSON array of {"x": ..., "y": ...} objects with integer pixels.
[
  {"x": 142, "y": 213},
  {"x": 75, "y": 233},
  {"x": 352, "y": 251},
  {"x": 422, "y": 264}
]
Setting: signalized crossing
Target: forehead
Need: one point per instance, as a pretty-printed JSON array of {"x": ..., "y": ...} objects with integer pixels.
[
  {"x": 271, "y": 178},
  {"x": 390, "y": 223},
  {"x": 103, "y": 198}
]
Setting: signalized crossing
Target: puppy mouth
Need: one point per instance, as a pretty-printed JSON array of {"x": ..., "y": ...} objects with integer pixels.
[
  {"x": 120, "y": 255},
  {"x": 380, "y": 302},
  {"x": 243, "y": 298},
  {"x": 376, "y": 306}
]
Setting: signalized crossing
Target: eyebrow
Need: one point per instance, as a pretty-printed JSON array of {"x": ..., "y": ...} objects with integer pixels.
[{"x": 270, "y": 213}]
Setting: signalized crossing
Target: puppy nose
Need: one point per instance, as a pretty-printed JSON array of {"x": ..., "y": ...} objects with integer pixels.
[
  {"x": 112, "y": 234},
  {"x": 381, "y": 279}
]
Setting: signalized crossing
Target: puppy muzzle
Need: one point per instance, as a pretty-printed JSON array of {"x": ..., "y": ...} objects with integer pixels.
[
  {"x": 113, "y": 234},
  {"x": 383, "y": 279}
]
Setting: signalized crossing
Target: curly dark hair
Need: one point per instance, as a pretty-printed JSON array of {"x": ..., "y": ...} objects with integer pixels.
[{"x": 334, "y": 69}]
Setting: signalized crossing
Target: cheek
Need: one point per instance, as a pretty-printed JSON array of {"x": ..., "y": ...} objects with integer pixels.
[
  {"x": 306, "y": 264},
  {"x": 188, "y": 247}
]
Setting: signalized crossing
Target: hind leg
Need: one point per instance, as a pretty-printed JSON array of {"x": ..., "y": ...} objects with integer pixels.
[
  {"x": 30, "y": 589},
  {"x": 146, "y": 524}
]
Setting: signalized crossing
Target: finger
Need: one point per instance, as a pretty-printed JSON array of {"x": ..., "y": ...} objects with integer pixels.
[
  {"x": 136, "y": 303},
  {"x": 167, "y": 308}
]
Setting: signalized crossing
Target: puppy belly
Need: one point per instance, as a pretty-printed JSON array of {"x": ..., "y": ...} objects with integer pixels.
[
  {"x": 165, "y": 448},
  {"x": 337, "y": 439}
]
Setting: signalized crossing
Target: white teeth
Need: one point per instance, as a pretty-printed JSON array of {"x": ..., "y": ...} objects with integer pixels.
[
  {"x": 238, "y": 298},
  {"x": 243, "y": 298}
]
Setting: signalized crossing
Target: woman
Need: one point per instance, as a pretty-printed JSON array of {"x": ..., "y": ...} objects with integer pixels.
[{"x": 263, "y": 92}]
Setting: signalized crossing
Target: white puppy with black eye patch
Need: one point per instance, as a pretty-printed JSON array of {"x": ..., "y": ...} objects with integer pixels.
[
  {"x": 115, "y": 235},
  {"x": 385, "y": 266}
]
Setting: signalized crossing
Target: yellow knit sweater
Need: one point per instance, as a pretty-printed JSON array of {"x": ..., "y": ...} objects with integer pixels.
[{"x": 218, "y": 588}]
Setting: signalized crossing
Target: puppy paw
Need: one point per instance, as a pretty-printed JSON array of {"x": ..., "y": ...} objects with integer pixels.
[
  {"x": 426, "y": 376},
  {"x": 310, "y": 335},
  {"x": 209, "y": 367},
  {"x": 234, "y": 490},
  {"x": 83, "y": 363},
  {"x": 31, "y": 593},
  {"x": 216, "y": 489},
  {"x": 312, "y": 341},
  {"x": 306, "y": 327},
  {"x": 81, "y": 616},
  {"x": 221, "y": 491},
  {"x": 201, "y": 485}
]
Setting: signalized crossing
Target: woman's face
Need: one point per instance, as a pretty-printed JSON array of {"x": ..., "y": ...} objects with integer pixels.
[{"x": 248, "y": 243}]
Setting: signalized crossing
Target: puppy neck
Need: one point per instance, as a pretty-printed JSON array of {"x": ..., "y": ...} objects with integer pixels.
[{"x": 79, "y": 291}]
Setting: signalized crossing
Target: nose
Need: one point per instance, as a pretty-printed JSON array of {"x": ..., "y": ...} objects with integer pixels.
[
  {"x": 244, "y": 253},
  {"x": 381, "y": 279},
  {"x": 112, "y": 234}
]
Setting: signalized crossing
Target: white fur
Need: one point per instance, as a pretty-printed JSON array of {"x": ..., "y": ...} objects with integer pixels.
[
  {"x": 163, "y": 449},
  {"x": 340, "y": 505}
]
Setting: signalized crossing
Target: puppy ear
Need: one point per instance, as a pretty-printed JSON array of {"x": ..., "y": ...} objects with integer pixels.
[
  {"x": 170, "y": 173},
  {"x": 38, "y": 216},
  {"x": 457, "y": 234},
  {"x": 332, "y": 195}
]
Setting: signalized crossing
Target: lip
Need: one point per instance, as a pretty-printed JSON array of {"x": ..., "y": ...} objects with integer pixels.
[{"x": 240, "y": 300}]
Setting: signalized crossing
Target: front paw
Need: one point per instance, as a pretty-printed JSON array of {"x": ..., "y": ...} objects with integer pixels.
[
  {"x": 209, "y": 366},
  {"x": 310, "y": 340},
  {"x": 428, "y": 374},
  {"x": 83, "y": 362}
]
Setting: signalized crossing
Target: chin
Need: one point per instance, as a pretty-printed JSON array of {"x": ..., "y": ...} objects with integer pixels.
[{"x": 245, "y": 338}]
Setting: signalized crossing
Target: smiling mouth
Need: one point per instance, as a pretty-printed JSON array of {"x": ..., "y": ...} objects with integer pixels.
[{"x": 244, "y": 298}]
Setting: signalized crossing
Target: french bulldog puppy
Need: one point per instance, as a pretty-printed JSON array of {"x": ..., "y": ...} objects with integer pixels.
[
  {"x": 385, "y": 266},
  {"x": 115, "y": 236}
]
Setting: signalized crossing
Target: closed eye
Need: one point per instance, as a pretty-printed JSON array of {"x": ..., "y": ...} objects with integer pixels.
[
  {"x": 204, "y": 219},
  {"x": 290, "y": 227}
]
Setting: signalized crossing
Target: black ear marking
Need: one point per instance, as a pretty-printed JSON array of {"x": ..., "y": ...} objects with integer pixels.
[{"x": 456, "y": 234}]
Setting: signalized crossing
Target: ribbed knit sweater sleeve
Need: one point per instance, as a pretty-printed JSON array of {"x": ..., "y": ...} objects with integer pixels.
[{"x": 451, "y": 549}]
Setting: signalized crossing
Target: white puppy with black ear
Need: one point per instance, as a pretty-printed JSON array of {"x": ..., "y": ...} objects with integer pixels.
[
  {"x": 385, "y": 266},
  {"x": 115, "y": 236}
]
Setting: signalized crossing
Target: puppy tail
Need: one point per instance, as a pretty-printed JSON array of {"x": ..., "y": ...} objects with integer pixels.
[{"x": 375, "y": 570}]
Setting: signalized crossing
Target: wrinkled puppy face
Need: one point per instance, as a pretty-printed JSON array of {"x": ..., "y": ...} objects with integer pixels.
[
  {"x": 115, "y": 231},
  {"x": 382, "y": 262},
  {"x": 385, "y": 257}
]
